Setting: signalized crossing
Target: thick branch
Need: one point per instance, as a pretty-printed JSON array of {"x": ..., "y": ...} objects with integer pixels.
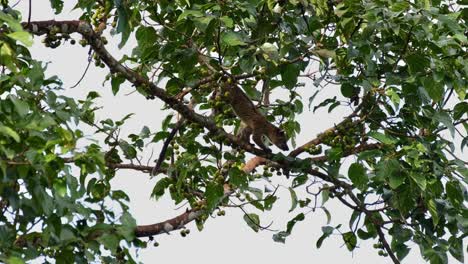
[
  {"x": 168, "y": 225},
  {"x": 43, "y": 27},
  {"x": 109, "y": 165},
  {"x": 85, "y": 29}
]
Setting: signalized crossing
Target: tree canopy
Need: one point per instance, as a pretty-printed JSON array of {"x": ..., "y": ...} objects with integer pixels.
[{"x": 399, "y": 68}]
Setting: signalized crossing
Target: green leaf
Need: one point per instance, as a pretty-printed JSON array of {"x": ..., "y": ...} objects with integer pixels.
[
  {"x": 370, "y": 154},
  {"x": 348, "y": 90},
  {"x": 434, "y": 88},
  {"x": 253, "y": 221},
  {"x": 214, "y": 192},
  {"x": 436, "y": 255},
  {"x": 127, "y": 229},
  {"x": 417, "y": 63},
  {"x": 293, "y": 199},
  {"x": 293, "y": 222},
  {"x": 404, "y": 199},
  {"x": 271, "y": 4},
  {"x": 269, "y": 201},
  {"x": 419, "y": 179},
  {"x": 325, "y": 53},
  {"x": 21, "y": 107},
  {"x": 15, "y": 260},
  {"x": 280, "y": 236},
  {"x": 190, "y": 13},
  {"x": 399, "y": 6},
  {"x": 334, "y": 153},
  {"x": 459, "y": 110},
  {"x": 256, "y": 191},
  {"x": 238, "y": 178},
  {"x": 109, "y": 241},
  {"x": 390, "y": 169},
  {"x": 454, "y": 193},
  {"x": 116, "y": 81},
  {"x": 22, "y": 36},
  {"x": 7, "y": 131},
  {"x": 232, "y": 39},
  {"x": 327, "y": 214},
  {"x": 11, "y": 22},
  {"x": 160, "y": 187},
  {"x": 350, "y": 240},
  {"x": 57, "y": 5},
  {"x": 269, "y": 51},
  {"x": 128, "y": 150},
  {"x": 325, "y": 195},
  {"x": 327, "y": 231},
  {"x": 60, "y": 187},
  {"x": 357, "y": 174},
  {"x": 444, "y": 118},
  {"x": 401, "y": 250},
  {"x": 289, "y": 75},
  {"x": 456, "y": 248},
  {"x": 227, "y": 21},
  {"x": 203, "y": 22},
  {"x": 363, "y": 234},
  {"x": 123, "y": 23},
  {"x": 431, "y": 205},
  {"x": 386, "y": 139},
  {"x": 299, "y": 180}
]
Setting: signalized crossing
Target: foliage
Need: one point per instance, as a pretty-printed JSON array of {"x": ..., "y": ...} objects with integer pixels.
[{"x": 400, "y": 67}]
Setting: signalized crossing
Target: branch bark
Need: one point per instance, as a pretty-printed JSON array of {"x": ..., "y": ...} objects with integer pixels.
[
  {"x": 152, "y": 91},
  {"x": 129, "y": 166},
  {"x": 94, "y": 40}
]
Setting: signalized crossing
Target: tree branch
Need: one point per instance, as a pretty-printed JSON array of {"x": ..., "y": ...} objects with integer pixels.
[
  {"x": 151, "y": 90},
  {"x": 109, "y": 165},
  {"x": 385, "y": 244},
  {"x": 320, "y": 137},
  {"x": 357, "y": 149},
  {"x": 168, "y": 225},
  {"x": 188, "y": 216},
  {"x": 43, "y": 27},
  {"x": 162, "y": 154}
]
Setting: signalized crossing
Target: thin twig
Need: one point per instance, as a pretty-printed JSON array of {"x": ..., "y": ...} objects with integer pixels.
[
  {"x": 90, "y": 59},
  {"x": 162, "y": 154},
  {"x": 29, "y": 11},
  {"x": 385, "y": 244}
]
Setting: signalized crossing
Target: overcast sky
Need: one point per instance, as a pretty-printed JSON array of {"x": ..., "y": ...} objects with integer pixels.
[{"x": 227, "y": 239}]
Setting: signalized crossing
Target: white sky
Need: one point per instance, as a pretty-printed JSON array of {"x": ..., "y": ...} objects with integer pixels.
[{"x": 227, "y": 239}]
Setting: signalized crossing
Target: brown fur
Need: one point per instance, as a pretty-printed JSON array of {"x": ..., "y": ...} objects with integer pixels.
[{"x": 256, "y": 124}]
